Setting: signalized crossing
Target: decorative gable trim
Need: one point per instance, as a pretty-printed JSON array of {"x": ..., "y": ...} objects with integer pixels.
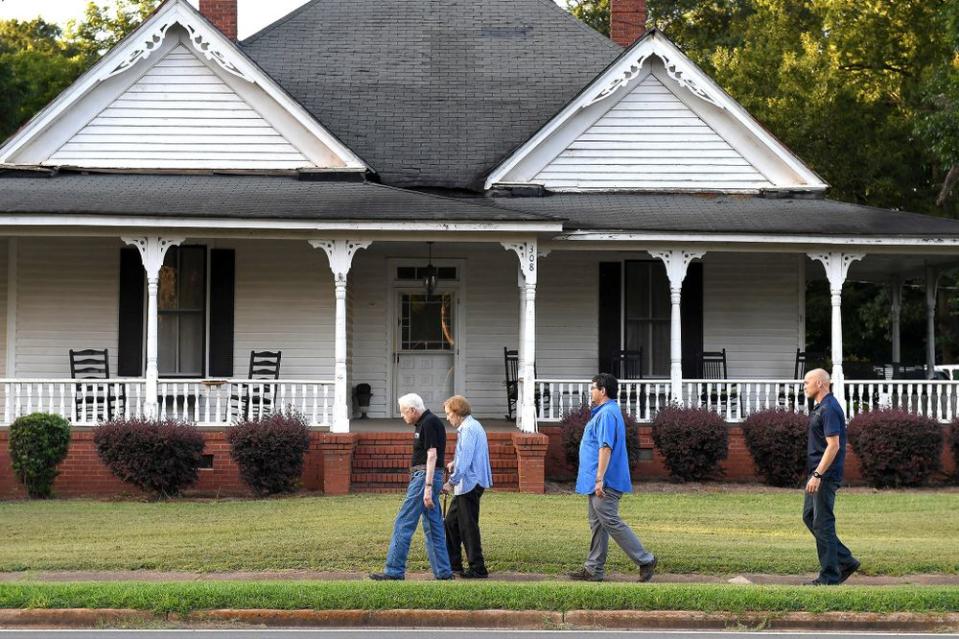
[
  {"x": 124, "y": 64},
  {"x": 773, "y": 159}
]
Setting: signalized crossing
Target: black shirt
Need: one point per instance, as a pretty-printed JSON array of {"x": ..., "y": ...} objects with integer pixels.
[
  {"x": 430, "y": 433},
  {"x": 826, "y": 420}
]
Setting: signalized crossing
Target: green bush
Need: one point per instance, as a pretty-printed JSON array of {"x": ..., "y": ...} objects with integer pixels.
[
  {"x": 38, "y": 443},
  {"x": 692, "y": 440},
  {"x": 574, "y": 423}
]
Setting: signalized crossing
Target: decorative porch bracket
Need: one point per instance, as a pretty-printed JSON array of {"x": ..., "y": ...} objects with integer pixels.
[
  {"x": 677, "y": 263},
  {"x": 340, "y": 254},
  {"x": 527, "y": 253},
  {"x": 152, "y": 249},
  {"x": 932, "y": 288},
  {"x": 837, "y": 267}
]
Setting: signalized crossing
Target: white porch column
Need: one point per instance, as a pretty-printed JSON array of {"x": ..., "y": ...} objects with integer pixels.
[
  {"x": 837, "y": 267},
  {"x": 932, "y": 284},
  {"x": 340, "y": 254},
  {"x": 677, "y": 263},
  {"x": 152, "y": 250},
  {"x": 895, "y": 312},
  {"x": 526, "y": 390}
]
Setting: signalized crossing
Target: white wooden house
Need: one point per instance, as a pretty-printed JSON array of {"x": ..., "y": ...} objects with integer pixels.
[{"x": 190, "y": 199}]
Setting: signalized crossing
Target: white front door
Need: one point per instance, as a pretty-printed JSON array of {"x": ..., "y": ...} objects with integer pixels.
[{"x": 425, "y": 358}]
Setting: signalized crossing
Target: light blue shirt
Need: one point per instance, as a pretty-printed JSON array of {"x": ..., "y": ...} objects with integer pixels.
[
  {"x": 605, "y": 428},
  {"x": 471, "y": 460}
]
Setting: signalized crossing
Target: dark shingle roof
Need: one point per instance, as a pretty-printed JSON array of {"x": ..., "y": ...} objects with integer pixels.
[
  {"x": 236, "y": 196},
  {"x": 680, "y": 213},
  {"x": 432, "y": 92}
]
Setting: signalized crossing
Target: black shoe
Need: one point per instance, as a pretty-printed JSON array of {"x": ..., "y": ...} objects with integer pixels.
[
  {"x": 646, "y": 570},
  {"x": 815, "y": 582},
  {"x": 469, "y": 573},
  {"x": 584, "y": 575},
  {"x": 382, "y": 576},
  {"x": 448, "y": 577},
  {"x": 847, "y": 572}
]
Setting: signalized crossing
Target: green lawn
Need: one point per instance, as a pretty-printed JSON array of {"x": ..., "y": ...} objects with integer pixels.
[
  {"x": 893, "y": 533},
  {"x": 558, "y": 596}
]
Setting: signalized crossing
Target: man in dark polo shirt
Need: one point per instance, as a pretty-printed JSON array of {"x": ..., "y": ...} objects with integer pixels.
[
  {"x": 422, "y": 495},
  {"x": 826, "y": 454}
]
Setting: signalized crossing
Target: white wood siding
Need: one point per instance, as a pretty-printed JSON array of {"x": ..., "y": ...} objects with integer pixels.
[
  {"x": 284, "y": 301},
  {"x": 752, "y": 308},
  {"x": 67, "y": 297},
  {"x": 180, "y": 114},
  {"x": 650, "y": 139}
]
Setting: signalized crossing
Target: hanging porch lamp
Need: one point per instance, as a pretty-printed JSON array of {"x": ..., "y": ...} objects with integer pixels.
[{"x": 430, "y": 274}]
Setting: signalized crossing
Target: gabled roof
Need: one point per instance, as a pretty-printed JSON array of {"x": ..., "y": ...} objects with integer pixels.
[
  {"x": 432, "y": 93},
  {"x": 650, "y": 121},
  {"x": 148, "y": 85}
]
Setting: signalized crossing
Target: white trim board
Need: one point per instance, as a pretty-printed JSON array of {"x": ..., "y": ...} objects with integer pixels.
[
  {"x": 175, "y": 23},
  {"x": 654, "y": 55}
]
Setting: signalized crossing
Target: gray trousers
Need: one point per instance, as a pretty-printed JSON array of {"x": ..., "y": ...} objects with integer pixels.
[{"x": 605, "y": 522}]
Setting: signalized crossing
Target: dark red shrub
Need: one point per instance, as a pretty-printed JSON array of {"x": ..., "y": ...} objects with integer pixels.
[
  {"x": 692, "y": 441},
  {"x": 776, "y": 439},
  {"x": 574, "y": 423},
  {"x": 954, "y": 443},
  {"x": 270, "y": 451},
  {"x": 161, "y": 458},
  {"x": 896, "y": 448}
]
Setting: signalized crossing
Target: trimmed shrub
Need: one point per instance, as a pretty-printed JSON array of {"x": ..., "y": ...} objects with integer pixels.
[
  {"x": 692, "y": 440},
  {"x": 161, "y": 458},
  {"x": 896, "y": 448},
  {"x": 574, "y": 423},
  {"x": 38, "y": 443},
  {"x": 270, "y": 451},
  {"x": 776, "y": 439},
  {"x": 954, "y": 443}
]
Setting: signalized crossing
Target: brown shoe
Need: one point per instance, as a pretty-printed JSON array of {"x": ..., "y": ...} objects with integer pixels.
[
  {"x": 584, "y": 575},
  {"x": 646, "y": 571}
]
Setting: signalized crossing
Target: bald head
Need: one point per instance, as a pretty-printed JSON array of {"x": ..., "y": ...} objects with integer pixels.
[{"x": 816, "y": 384}]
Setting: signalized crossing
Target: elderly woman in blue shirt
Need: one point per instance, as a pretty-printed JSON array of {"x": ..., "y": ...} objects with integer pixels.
[{"x": 470, "y": 475}]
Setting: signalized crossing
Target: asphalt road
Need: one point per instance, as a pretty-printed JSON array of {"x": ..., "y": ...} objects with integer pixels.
[{"x": 435, "y": 634}]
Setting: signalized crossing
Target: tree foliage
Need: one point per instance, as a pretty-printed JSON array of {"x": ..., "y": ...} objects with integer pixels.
[{"x": 38, "y": 59}]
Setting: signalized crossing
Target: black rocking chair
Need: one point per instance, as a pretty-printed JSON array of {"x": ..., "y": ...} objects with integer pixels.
[
  {"x": 511, "y": 361},
  {"x": 91, "y": 400},
  {"x": 258, "y": 400}
]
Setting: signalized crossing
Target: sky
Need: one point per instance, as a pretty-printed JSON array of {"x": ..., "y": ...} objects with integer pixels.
[{"x": 252, "y": 16}]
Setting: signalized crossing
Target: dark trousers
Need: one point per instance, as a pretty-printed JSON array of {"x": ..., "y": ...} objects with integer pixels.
[
  {"x": 462, "y": 529},
  {"x": 821, "y": 521}
]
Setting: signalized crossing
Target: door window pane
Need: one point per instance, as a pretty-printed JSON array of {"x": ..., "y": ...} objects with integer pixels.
[
  {"x": 647, "y": 315},
  {"x": 426, "y": 324}
]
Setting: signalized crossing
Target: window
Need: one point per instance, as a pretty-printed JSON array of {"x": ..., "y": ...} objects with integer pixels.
[
  {"x": 646, "y": 316},
  {"x": 181, "y": 302},
  {"x": 426, "y": 323},
  {"x": 417, "y": 273}
]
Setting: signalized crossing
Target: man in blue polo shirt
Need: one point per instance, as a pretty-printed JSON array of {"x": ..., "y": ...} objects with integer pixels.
[
  {"x": 604, "y": 477},
  {"x": 825, "y": 456}
]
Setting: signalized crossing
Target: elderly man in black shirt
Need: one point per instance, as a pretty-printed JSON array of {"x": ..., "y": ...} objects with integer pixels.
[{"x": 422, "y": 494}]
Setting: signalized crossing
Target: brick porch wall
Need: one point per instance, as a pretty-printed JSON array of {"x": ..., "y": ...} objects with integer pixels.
[{"x": 738, "y": 466}]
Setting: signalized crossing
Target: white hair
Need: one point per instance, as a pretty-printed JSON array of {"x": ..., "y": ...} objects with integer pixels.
[{"x": 412, "y": 400}]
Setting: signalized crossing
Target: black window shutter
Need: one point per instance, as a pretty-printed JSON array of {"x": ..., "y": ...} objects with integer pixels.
[
  {"x": 691, "y": 316},
  {"x": 222, "y": 293},
  {"x": 610, "y": 312},
  {"x": 130, "y": 339}
]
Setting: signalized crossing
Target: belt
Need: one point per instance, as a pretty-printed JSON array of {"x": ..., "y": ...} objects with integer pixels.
[{"x": 418, "y": 468}]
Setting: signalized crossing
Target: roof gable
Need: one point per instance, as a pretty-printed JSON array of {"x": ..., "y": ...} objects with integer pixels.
[
  {"x": 177, "y": 94},
  {"x": 654, "y": 121}
]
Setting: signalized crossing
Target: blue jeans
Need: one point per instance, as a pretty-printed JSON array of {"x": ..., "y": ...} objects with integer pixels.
[
  {"x": 405, "y": 525},
  {"x": 820, "y": 519}
]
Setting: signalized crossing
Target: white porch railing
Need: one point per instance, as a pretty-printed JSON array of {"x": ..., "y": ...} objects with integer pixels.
[
  {"x": 203, "y": 402},
  {"x": 556, "y": 397},
  {"x": 737, "y": 399}
]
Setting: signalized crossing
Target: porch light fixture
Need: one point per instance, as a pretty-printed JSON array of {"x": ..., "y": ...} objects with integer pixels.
[{"x": 429, "y": 274}]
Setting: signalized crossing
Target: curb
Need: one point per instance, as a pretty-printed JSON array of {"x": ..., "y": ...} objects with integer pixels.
[{"x": 494, "y": 619}]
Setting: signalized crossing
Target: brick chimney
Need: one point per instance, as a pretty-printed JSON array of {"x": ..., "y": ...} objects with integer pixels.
[
  {"x": 627, "y": 21},
  {"x": 222, "y": 13}
]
